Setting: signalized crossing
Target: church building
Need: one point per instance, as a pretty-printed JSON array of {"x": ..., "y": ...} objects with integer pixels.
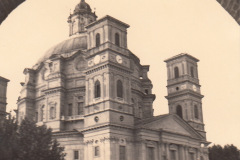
[{"x": 96, "y": 96}]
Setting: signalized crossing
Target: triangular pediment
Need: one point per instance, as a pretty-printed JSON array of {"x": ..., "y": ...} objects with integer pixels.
[{"x": 171, "y": 123}]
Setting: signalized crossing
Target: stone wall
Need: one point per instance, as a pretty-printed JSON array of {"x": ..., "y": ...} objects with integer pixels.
[
  {"x": 232, "y": 7},
  {"x": 6, "y": 7}
]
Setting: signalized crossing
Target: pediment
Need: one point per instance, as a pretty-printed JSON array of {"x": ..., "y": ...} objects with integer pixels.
[{"x": 174, "y": 124}]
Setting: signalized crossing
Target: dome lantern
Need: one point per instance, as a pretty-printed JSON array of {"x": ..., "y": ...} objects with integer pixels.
[{"x": 81, "y": 17}]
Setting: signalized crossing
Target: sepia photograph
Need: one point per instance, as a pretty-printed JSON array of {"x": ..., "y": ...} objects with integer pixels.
[{"x": 119, "y": 80}]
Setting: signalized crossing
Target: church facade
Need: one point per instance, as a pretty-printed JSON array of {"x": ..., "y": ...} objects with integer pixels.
[{"x": 96, "y": 96}]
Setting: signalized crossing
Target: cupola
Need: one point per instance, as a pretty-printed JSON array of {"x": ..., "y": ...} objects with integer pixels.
[{"x": 80, "y": 18}]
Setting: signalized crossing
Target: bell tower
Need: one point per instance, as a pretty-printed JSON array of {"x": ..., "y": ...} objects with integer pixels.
[
  {"x": 184, "y": 94},
  {"x": 108, "y": 89}
]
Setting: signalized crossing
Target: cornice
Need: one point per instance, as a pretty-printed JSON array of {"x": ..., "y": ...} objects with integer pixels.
[
  {"x": 80, "y": 89},
  {"x": 107, "y": 17},
  {"x": 20, "y": 101},
  {"x": 137, "y": 92},
  {"x": 67, "y": 133},
  {"x": 106, "y": 110},
  {"x": 108, "y": 65},
  {"x": 110, "y": 47},
  {"x": 96, "y": 127},
  {"x": 54, "y": 90},
  {"x": 184, "y": 92},
  {"x": 181, "y": 56},
  {"x": 184, "y": 79}
]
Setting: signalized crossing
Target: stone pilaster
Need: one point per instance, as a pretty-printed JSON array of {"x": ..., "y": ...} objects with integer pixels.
[{"x": 186, "y": 153}]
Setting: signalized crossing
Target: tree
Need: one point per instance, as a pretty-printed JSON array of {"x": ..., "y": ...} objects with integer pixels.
[
  {"x": 8, "y": 140},
  {"x": 228, "y": 152},
  {"x": 28, "y": 142}
]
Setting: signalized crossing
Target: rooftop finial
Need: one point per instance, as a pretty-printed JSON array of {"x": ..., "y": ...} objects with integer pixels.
[{"x": 82, "y": 0}]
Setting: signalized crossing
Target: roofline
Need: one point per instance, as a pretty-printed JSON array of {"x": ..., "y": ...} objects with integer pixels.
[
  {"x": 107, "y": 17},
  {"x": 4, "y": 79},
  {"x": 181, "y": 55},
  {"x": 175, "y": 116},
  {"x": 194, "y": 130}
]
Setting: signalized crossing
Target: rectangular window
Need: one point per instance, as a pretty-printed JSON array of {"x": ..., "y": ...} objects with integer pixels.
[
  {"x": 150, "y": 153},
  {"x": 80, "y": 108},
  {"x": 70, "y": 109},
  {"x": 97, "y": 151},
  {"x": 191, "y": 156},
  {"x": 76, "y": 155},
  {"x": 122, "y": 153},
  {"x": 173, "y": 154}
]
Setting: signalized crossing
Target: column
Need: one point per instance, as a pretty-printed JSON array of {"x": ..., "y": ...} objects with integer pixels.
[
  {"x": 159, "y": 151},
  {"x": 171, "y": 72},
  {"x": 87, "y": 93},
  {"x": 183, "y": 70},
  {"x": 167, "y": 151},
  {"x": 197, "y": 154},
  {"x": 104, "y": 36},
  {"x": 182, "y": 154},
  {"x": 168, "y": 72},
  {"x": 186, "y": 153}
]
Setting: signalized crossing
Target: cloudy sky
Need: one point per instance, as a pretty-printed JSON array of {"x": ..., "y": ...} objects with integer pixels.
[{"x": 159, "y": 29}]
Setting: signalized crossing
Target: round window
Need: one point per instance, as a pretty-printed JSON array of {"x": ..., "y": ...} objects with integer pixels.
[
  {"x": 96, "y": 119},
  {"x": 121, "y": 118}
]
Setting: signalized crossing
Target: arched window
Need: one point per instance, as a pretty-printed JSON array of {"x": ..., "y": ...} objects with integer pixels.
[
  {"x": 196, "y": 114},
  {"x": 146, "y": 91},
  {"x": 192, "y": 71},
  {"x": 74, "y": 27},
  {"x": 179, "y": 111},
  {"x": 97, "y": 40},
  {"x": 176, "y": 72},
  {"x": 52, "y": 113},
  {"x": 80, "y": 108},
  {"x": 117, "y": 39},
  {"x": 97, "y": 89},
  {"x": 82, "y": 27},
  {"x": 119, "y": 89},
  {"x": 201, "y": 158}
]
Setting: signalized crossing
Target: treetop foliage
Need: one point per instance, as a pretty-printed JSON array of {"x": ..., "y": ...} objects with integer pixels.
[
  {"x": 228, "y": 152},
  {"x": 28, "y": 142}
]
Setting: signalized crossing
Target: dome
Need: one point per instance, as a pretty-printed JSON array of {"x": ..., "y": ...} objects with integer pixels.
[
  {"x": 82, "y": 7},
  {"x": 65, "y": 47}
]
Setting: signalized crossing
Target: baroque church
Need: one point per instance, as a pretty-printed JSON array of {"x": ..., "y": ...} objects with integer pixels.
[{"x": 96, "y": 96}]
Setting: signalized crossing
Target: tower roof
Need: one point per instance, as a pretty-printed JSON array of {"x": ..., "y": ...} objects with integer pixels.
[
  {"x": 181, "y": 55},
  {"x": 3, "y": 79},
  {"x": 107, "y": 17}
]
